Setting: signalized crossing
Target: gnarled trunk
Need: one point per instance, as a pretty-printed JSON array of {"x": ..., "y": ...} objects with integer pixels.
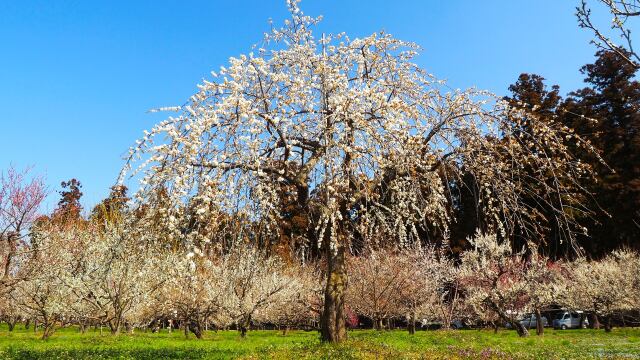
[
  {"x": 539, "y": 325},
  {"x": 114, "y": 326},
  {"x": 333, "y": 327},
  {"x": 520, "y": 329},
  {"x": 49, "y": 327},
  {"x": 195, "y": 328}
]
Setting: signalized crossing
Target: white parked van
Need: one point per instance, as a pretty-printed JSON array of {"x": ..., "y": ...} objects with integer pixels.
[{"x": 569, "y": 320}]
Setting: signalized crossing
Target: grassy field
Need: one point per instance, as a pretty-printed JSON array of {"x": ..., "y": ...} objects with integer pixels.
[{"x": 362, "y": 344}]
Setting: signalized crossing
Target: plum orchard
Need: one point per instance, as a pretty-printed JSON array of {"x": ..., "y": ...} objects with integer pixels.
[{"x": 360, "y": 138}]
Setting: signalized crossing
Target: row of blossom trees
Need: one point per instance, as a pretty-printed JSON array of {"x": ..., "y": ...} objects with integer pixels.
[
  {"x": 491, "y": 284},
  {"x": 113, "y": 277},
  {"x": 123, "y": 268}
]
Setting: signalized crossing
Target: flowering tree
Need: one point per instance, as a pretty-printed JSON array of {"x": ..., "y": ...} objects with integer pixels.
[
  {"x": 253, "y": 285},
  {"x": 301, "y": 302},
  {"x": 547, "y": 285},
  {"x": 115, "y": 275},
  {"x": 44, "y": 294},
  {"x": 357, "y": 133},
  {"x": 494, "y": 279},
  {"x": 603, "y": 287},
  {"x": 20, "y": 199},
  {"x": 194, "y": 292},
  {"x": 376, "y": 285},
  {"x": 10, "y": 311},
  {"x": 433, "y": 293}
]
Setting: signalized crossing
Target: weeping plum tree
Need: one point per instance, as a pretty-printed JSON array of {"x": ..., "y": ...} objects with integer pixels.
[{"x": 360, "y": 134}]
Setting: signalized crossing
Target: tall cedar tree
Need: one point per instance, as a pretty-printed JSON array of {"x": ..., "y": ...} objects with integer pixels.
[{"x": 606, "y": 113}]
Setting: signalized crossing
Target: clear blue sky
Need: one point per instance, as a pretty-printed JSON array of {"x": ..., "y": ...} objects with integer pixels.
[{"x": 77, "y": 77}]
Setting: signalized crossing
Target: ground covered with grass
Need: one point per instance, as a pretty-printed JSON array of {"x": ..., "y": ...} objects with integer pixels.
[{"x": 362, "y": 344}]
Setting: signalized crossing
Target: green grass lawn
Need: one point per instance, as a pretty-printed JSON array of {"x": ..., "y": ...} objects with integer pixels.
[{"x": 362, "y": 344}]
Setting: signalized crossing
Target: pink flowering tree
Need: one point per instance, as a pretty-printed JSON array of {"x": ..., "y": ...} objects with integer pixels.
[{"x": 20, "y": 197}]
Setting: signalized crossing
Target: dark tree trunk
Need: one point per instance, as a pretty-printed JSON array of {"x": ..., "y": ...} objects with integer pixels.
[
  {"x": 411, "y": 325},
  {"x": 12, "y": 323},
  {"x": 27, "y": 323},
  {"x": 114, "y": 327},
  {"x": 244, "y": 326},
  {"x": 607, "y": 323},
  {"x": 333, "y": 327},
  {"x": 539, "y": 325},
  {"x": 196, "y": 329},
  {"x": 48, "y": 329},
  {"x": 11, "y": 239},
  {"x": 596, "y": 321},
  {"x": 520, "y": 329}
]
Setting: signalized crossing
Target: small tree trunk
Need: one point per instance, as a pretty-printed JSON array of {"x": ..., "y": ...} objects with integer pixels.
[
  {"x": 411, "y": 325},
  {"x": 196, "y": 329},
  {"x": 495, "y": 327},
  {"x": 49, "y": 328},
  {"x": 596, "y": 321},
  {"x": 114, "y": 327},
  {"x": 539, "y": 325},
  {"x": 520, "y": 329},
  {"x": 244, "y": 326},
  {"x": 333, "y": 327},
  {"x": 27, "y": 323},
  {"x": 607, "y": 324},
  {"x": 284, "y": 330}
]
